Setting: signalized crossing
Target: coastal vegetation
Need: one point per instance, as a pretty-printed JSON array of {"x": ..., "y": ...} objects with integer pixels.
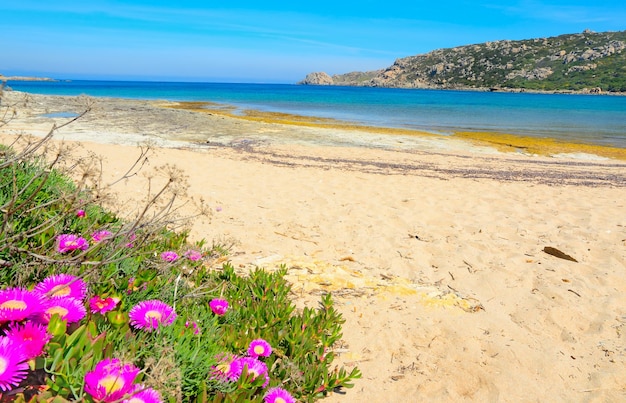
[
  {"x": 585, "y": 62},
  {"x": 100, "y": 305}
]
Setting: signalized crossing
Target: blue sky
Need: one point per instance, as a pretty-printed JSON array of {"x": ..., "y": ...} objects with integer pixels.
[{"x": 266, "y": 41}]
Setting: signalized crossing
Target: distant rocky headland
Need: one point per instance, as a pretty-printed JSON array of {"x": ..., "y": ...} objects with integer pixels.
[
  {"x": 24, "y": 78},
  {"x": 588, "y": 62}
]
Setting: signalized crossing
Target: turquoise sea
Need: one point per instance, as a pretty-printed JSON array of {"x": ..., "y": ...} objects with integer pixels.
[{"x": 593, "y": 119}]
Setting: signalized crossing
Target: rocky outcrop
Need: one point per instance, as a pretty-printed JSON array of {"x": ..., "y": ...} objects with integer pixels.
[
  {"x": 317, "y": 78},
  {"x": 572, "y": 62},
  {"x": 23, "y": 78},
  {"x": 355, "y": 77}
]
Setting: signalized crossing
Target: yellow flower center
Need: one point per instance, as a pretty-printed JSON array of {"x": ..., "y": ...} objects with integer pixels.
[
  {"x": 153, "y": 315},
  {"x": 258, "y": 349},
  {"x": 13, "y": 304},
  {"x": 57, "y": 309},
  {"x": 3, "y": 365},
  {"x": 60, "y": 290},
  {"x": 224, "y": 367},
  {"x": 111, "y": 383},
  {"x": 280, "y": 400}
]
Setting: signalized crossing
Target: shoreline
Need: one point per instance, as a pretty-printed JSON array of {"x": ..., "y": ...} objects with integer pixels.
[
  {"x": 297, "y": 141},
  {"x": 469, "y": 89},
  {"x": 501, "y": 141},
  {"x": 492, "y": 89},
  {"x": 345, "y": 133},
  {"x": 433, "y": 249}
]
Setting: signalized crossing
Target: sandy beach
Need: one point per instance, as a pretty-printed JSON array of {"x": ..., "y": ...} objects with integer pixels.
[{"x": 432, "y": 246}]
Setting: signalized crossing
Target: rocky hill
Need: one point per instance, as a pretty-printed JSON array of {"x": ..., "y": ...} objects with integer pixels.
[{"x": 587, "y": 62}]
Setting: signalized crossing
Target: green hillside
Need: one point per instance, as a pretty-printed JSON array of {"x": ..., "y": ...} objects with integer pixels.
[{"x": 588, "y": 62}]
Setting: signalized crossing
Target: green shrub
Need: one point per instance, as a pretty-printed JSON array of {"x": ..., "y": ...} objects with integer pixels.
[{"x": 185, "y": 360}]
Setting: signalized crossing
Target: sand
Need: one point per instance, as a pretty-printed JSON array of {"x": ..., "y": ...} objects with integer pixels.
[{"x": 433, "y": 247}]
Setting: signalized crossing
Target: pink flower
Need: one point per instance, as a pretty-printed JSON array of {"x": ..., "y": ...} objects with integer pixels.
[
  {"x": 17, "y": 304},
  {"x": 110, "y": 380},
  {"x": 68, "y": 242},
  {"x": 169, "y": 256},
  {"x": 193, "y": 255},
  {"x": 196, "y": 329},
  {"x": 222, "y": 371},
  {"x": 149, "y": 315},
  {"x": 69, "y": 309},
  {"x": 80, "y": 213},
  {"x": 259, "y": 348},
  {"x": 219, "y": 306},
  {"x": 278, "y": 395},
  {"x": 143, "y": 394},
  {"x": 13, "y": 365},
  {"x": 101, "y": 235},
  {"x": 131, "y": 238},
  {"x": 101, "y": 305},
  {"x": 253, "y": 367},
  {"x": 33, "y": 337},
  {"x": 62, "y": 285}
]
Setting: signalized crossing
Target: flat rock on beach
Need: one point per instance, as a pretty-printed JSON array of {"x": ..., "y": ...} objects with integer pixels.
[{"x": 432, "y": 247}]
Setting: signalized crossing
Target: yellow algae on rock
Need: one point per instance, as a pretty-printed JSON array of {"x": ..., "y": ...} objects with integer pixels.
[
  {"x": 504, "y": 142},
  {"x": 540, "y": 145},
  {"x": 288, "y": 118},
  {"x": 314, "y": 276}
]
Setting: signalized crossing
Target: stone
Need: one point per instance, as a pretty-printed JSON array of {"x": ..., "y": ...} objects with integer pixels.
[{"x": 317, "y": 78}]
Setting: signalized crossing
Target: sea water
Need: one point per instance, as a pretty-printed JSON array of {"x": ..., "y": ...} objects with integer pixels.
[{"x": 593, "y": 119}]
